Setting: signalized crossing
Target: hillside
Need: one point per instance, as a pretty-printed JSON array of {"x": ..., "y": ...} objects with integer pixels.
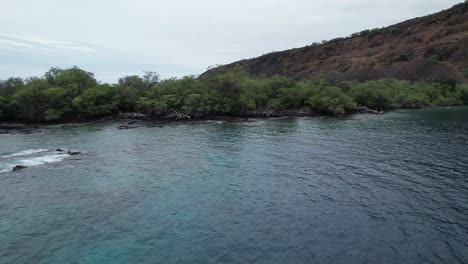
[{"x": 424, "y": 48}]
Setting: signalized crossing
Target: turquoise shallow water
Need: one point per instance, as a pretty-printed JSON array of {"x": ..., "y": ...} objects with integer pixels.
[{"x": 364, "y": 189}]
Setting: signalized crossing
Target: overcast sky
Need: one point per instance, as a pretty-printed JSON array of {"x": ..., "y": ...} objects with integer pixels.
[{"x": 114, "y": 38}]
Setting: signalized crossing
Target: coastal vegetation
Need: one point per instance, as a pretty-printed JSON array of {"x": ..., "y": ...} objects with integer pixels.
[{"x": 75, "y": 94}]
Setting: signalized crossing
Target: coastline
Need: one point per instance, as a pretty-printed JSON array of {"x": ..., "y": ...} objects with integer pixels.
[
  {"x": 135, "y": 120},
  {"x": 131, "y": 120}
]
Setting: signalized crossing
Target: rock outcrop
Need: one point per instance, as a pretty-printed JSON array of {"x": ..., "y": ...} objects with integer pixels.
[
  {"x": 19, "y": 167},
  {"x": 421, "y": 49}
]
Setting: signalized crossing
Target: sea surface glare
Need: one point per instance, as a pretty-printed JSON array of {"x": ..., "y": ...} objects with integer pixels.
[{"x": 387, "y": 188}]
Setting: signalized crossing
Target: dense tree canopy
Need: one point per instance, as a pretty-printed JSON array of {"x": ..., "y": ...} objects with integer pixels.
[{"x": 68, "y": 94}]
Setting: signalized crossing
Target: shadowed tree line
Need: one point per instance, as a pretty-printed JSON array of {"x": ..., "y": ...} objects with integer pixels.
[{"x": 74, "y": 94}]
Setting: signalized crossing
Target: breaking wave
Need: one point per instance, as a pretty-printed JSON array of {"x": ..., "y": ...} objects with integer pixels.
[
  {"x": 5, "y": 167},
  {"x": 25, "y": 153},
  {"x": 30, "y": 158},
  {"x": 36, "y": 161}
]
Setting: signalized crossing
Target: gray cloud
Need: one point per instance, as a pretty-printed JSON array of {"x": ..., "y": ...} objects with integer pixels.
[
  {"x": 8, "y": 42},
  {"x": 118, "y": 37}
]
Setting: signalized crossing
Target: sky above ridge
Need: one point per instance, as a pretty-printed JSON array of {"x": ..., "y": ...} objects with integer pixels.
[{"x": 114, "y": 38}]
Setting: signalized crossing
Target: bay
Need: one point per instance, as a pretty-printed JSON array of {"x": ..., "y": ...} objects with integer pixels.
[{"x": 387, "y": 188}]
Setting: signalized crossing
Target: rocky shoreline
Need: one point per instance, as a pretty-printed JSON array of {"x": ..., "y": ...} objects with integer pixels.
[
  {"x": 259, "y": 113},
  {"x": 35, "y": 157},
  {"x": 131, "y": 120}
]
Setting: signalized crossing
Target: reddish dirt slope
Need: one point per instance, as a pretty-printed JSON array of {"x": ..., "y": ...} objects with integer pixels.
[{"x": 424, "y": 48}]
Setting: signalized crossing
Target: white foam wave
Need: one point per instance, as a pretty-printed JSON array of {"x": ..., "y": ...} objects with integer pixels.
[
  {"x": 31, "y": 158},
  {"x": 5, "y": 167},
  {"x": 215, "y": 121},
  {"x": 25, "y": 153},
  {"x": 36, "y": 161}
]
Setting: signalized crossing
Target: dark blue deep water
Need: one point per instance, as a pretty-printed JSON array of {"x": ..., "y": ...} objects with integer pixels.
[{"x": 363, "y": 189}]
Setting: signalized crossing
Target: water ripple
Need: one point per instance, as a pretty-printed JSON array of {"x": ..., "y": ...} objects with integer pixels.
[{"x": 365, "y": 189}]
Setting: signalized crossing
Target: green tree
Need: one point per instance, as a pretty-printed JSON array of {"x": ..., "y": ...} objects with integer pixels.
[
  {"x": 133, "y": 81},
  {"x": 296, "y": 97},
  {"x": 3, "y": 108},
  {"x": 9, "y": 87},
  {"x": 8, "y": 105},
  {"x": 64, "y": 94},
  {"x": 227, "y": 85},
  {"x": 151, "y": 78},
  {"x": 98, "y": 101},
  {"x": 464, "y": 94},
  {"x": 74, "y": 80},
  {"x": 132, "y": 87},
  {"x": 58, "y": 104},
  {"x": 30, "y": 100},
  {"x": 331, "y": 100},
  {"x": 447, "y": 85},
  {"x": 376, "y": 94}
]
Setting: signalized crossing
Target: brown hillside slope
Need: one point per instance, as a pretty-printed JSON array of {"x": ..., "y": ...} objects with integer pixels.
[{"x": 424, "y": 48}]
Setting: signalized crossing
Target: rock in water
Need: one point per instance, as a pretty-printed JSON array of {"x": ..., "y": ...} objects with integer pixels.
[
  {"x": 123, "y": 127},
  {"x": 126, "y": 127},
  {"x": 73, "y": 153},
  {"x": 19, "y": 167}
]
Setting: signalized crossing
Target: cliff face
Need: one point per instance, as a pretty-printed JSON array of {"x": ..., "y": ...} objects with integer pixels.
[{"x": 423, "y": 48}]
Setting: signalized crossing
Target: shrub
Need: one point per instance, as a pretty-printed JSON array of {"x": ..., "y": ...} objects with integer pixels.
[
  {"x": 434, "y": 59},
  {"x": 331, "y": 100},
  {"x": 97, "y": 101}
]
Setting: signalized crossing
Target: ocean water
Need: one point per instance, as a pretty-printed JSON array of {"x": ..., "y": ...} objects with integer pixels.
[{"x": 387, "y": 188}]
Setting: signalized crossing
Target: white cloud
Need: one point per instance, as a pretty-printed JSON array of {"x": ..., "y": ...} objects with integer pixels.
[{"x": 40, "y": 44}]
